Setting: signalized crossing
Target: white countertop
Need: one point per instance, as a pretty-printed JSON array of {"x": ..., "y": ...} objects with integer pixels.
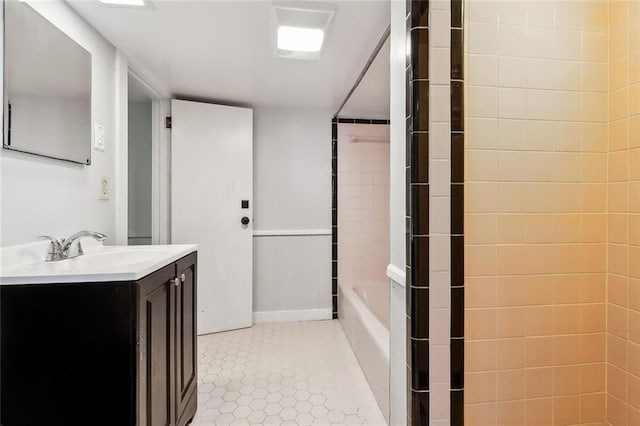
[{"x": 99, "y": 264}]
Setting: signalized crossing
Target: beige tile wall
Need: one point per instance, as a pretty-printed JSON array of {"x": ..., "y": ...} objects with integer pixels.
[
  {"x": 536, "y": 212},
  {"x": 363, "y": 210},
  {"x": 623, "y": 278}
]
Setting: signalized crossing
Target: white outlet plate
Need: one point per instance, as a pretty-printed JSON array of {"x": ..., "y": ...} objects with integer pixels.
[
  {"x": 98, "y": 138},
  {"x": 103, "y": 193}
]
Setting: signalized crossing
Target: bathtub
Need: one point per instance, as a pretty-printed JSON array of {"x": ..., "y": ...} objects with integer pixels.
[{"x": 368, "y": 336}]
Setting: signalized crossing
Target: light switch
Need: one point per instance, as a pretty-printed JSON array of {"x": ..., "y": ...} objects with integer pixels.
[
  {"x": 98, "y": 139},
  {"x": 104, "y": 188}
]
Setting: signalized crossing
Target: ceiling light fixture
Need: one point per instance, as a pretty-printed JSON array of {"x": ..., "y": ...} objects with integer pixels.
[
  {"x": 299, "y": 29},
  {"x": 299, "y": 39}
]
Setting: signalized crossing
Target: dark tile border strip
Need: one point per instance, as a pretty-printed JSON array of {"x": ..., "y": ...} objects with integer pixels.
[
  {"x": 334, "y": 200},
  {"x": 417, "y": 212},
  {"x": 457, "y": 214},
  {"x": 362, "y": 121},
  {"x": 334, "y": 217}
]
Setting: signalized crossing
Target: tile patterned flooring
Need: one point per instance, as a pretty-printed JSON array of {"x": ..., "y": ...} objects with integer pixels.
[{"x": 296, "y": 373}]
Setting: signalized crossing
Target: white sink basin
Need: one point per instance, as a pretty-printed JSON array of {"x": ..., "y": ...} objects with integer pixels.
[
  {"x": 103, "y": 263},
  {"x": 118, "y": 257}
]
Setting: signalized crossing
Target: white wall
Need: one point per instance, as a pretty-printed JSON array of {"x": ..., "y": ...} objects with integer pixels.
[
  {"x": 43, "y": 196},
  {"x": 292, "y": 171},
  {"x": 139, "y": 179},
  {"x": 397, "y": 353},
  {"x": 292, "y": 192}
]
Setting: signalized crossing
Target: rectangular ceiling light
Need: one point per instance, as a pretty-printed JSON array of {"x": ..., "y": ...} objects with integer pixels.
[
  {"x": 138, "y": 3},
  {"x": 300, "y": 39},
  {"x": 298, "y": 29}
]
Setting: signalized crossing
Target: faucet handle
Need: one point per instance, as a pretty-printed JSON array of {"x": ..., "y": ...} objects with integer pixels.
[
  {"x": 54, "y": 241},
  {"x": 55, "y": 248}
]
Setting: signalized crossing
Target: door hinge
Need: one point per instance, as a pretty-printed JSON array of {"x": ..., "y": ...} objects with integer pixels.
[{"x": 167, "y": 122}]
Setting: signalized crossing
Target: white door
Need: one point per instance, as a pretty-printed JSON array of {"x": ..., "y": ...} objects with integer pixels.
[{"x": 211, "y": 175}]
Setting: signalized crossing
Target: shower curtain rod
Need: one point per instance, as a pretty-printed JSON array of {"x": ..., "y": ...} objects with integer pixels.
[{"x": 375, "y": 52}]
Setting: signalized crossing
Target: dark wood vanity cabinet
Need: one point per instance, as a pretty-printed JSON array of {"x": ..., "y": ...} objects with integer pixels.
[
  {"x": 167, "y": 345},
  {"x": 108, "y": 353}
]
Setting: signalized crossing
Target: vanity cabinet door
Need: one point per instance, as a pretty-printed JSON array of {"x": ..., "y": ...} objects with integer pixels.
[
  {"x": 185, "y": 339},
  {"x": 155, "y": 339},
  {"x": 67, "y": 354}
]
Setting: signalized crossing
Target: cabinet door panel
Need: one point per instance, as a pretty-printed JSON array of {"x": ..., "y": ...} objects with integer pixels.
[
  {"x": 185, "y": 326},
  {"x": 186, "y": 345},
  {"x": 158, "y": 364},
  {"x": 66, "y": 354},
  {"x": 156, "y": 348}
]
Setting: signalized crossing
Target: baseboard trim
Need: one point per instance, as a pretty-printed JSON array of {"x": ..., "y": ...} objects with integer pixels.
[{"x": 287, "y": 316}]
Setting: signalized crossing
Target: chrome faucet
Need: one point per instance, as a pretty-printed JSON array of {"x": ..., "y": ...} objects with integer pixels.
[{"x": 60, "y": 249}]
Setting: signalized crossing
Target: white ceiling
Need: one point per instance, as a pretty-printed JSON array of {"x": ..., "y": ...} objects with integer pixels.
[
  {"x": 221, "y": 51},
  {"x": 371, "y": 97}
]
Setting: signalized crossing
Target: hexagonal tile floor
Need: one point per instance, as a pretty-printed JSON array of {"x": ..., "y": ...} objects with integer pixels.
[{"x": 295, "y": 373}]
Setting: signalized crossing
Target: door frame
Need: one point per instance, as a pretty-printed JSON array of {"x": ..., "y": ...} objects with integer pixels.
[{"x": 160, "y": 151}]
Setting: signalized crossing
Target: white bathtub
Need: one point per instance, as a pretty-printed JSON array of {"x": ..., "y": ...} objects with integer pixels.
[{"x": 368, "y": 337}]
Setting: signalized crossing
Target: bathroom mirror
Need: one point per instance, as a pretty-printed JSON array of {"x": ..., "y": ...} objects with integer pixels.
[{"x": 47, "y": 88}]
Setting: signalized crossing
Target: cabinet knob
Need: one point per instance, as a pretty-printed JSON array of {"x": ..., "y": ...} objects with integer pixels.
[
  {"x": 176, "y": 281},
  {"x": 183, "y": 277}
]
